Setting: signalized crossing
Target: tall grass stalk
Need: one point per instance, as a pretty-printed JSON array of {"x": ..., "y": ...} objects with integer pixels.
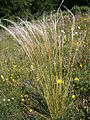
[{"x": 43, "y": 42}]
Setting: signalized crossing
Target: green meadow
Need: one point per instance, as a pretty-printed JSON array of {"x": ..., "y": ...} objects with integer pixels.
[{"x": 44, "y": 68}]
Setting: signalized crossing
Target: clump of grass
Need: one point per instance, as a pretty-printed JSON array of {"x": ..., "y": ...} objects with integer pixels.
[{"x": 52, "y": 61}]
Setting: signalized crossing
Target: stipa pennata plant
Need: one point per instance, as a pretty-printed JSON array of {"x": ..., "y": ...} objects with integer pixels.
[{"x": 43, "y": 41}]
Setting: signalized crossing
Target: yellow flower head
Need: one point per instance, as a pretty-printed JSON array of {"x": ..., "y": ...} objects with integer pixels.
[
  {"x": 12, "y": 75},
  {"x": 76, "y": 79},
  {"x": 14, "y": 66},
  {"x": 22, "y": 100},
  {"x": 6, "y": 79},
  {"x": 59, "y": 81},
  {"x": 30, "y": 110},
  {"x": 77, "y": 43},
  {"x": 73, "y": 91},
  {"x": 81, "y": 65},
  {"x": 73, "y": 96},
  {"x": 32, "y": 67}
]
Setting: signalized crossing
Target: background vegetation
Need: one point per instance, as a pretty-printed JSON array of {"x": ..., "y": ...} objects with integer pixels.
[
  {"x": 44, "y": 63},
  {"x": 26, "y": 8}
]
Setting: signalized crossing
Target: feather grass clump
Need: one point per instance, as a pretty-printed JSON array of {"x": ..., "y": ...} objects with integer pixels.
[{"x": 43, "y": 42}]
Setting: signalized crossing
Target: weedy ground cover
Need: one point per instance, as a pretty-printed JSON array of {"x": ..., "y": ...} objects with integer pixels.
[{"x": 44, "y": 69}]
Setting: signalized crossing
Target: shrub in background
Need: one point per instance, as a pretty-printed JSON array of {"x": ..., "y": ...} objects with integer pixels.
[
  {"x": 80, "y": 10},
  {"x": 75, "y": 10},
  {"x": 85, "y": 10}
]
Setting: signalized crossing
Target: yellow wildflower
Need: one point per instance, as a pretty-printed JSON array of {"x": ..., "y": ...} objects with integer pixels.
[
  {"x": 6, "y": 79},
  {"x": 12, "y": 75},
  {"x": 72, "y": 90},
  {"x": 77, "y": 43},
  {"x": 59, "y": 81},
  {"x": 73, "y": 96},
  {"x": 74, "y": 43},
  {"x": 76, "y": 79},
  {"x": 32, "y": 67},
  {"x": 81, "y": 65},
  {"x": 22, "y": 100},
  {"x": 14, "y": 66},
  {"x": 30, "y": 110}
]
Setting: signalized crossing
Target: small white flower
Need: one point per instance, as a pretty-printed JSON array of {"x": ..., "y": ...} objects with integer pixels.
[
  {"x": 72, "y": 29},
  {"x": 4, "y": 100},
  {"x": 8, "y": 100},
  {"x": 62, "y": 31},
  {"x": 12, "y": 98},
  {"x": 2, "y": 77},
  {"x": 76, "y": 33},
  {"x": 78, "y": 27}
]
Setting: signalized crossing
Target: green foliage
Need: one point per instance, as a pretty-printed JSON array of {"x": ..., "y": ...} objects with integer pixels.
[
  {"x": 80, "y": 10},
  {"x": 85, "y": 9},
  {"x": 25, "y": 8},
  {"x": 76, "y": 10},
  {"x": 9, "y": 8},
  {"x": 12, "y": 74}
]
